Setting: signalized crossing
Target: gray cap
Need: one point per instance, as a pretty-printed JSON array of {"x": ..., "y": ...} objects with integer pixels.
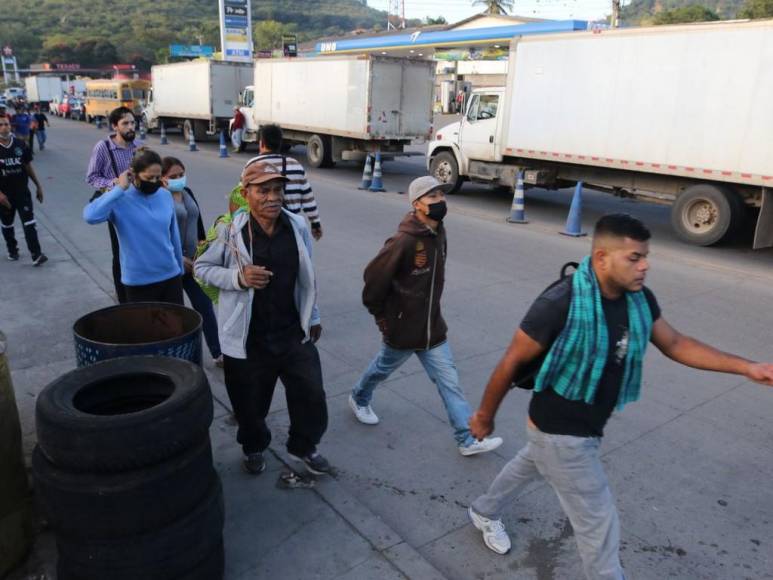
[{"x": 421, "y": 186}]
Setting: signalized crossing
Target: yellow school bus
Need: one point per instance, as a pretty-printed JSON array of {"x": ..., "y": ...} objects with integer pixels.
[{"x": 102, "y": 96}]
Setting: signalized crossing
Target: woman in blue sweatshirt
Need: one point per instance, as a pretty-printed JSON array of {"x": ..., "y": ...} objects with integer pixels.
[{"x": 143, "y": 215}]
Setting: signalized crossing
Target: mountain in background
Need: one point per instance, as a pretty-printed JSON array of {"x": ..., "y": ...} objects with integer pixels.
[
  {"x": 99, "y": 32},
  {"x": 642, "y": 12}
]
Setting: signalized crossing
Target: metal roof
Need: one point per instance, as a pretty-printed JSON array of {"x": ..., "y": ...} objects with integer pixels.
[{"x": 448, "y": 37}]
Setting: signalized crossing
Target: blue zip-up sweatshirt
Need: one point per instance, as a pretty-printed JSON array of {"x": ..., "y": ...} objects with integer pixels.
[{"x": 148, "y": 235}]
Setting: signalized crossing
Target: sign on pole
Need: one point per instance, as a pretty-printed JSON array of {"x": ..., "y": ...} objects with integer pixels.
[
  {"x": 290, "y": 45},
  {"x": 191, "y": 50},
  {"x": 236, "y": 30}
]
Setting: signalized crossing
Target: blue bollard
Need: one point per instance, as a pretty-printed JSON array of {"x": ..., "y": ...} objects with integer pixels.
[
  {"x": 574, "y": 220},
  {"x": 367, "y": 174},
  {"x": 377, "y": 184},
  {"x": 192, "y": 141},
  {"x": 164, "y": 140},
  {"x": 223, "y": 146},
  {"x": 518, "y": 209}
]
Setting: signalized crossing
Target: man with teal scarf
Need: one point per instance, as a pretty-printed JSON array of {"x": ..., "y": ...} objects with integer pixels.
[{"x": 592, "y": 329}]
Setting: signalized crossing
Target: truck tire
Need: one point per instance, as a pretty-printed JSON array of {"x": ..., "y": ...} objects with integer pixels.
[
  {"x": 123, "y": 414},
  {"x": 198, "y": 128},
  {"x": 707, "y": 214},
  {"x": 319, "y": 151},
  {"x": 113, "y": 505},
  {"x": 445, "y": 169},
  {"x": 168, "y": 553}
]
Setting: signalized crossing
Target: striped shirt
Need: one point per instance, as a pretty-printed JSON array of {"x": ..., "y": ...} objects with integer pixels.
[
  {"x": 100, "y": 174},
  {"x": 298, "y": 194}
]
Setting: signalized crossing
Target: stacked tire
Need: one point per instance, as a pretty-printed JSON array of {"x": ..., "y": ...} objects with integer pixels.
[{"x": 124, "y": 471}]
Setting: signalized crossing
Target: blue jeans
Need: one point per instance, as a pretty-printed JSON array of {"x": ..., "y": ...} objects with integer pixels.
[
  {"x": 41, "y": 136},
  {"x": 203, "y": 305},
  {"x": 440, "y": 367},
  {"x": 572, "y": 466}
]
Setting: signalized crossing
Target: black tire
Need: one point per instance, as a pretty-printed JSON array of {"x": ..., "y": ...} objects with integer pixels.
[
  {"x": 111, "y": 505},
  {"x": 706, "y": 214},
  {"x": 175, "y": 551},
  {"x": 445, "y": 169},
  {"x": 123, "y": 414},
  {"x": 319, "y": 151}
]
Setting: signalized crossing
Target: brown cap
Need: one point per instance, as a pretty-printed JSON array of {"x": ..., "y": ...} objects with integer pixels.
[{"x": 261, "y": 172}]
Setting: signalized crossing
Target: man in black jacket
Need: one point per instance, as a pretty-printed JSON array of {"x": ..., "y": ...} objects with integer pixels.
[{"x": 403, "y": 286}]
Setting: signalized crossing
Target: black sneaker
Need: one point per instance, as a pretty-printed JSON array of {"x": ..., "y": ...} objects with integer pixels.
[
  {"x": 40, "y": 259},
  {"x": 13, "y": 257},
  {"x": 315, "y": 463},
  {"x": 254, "y": 463}
]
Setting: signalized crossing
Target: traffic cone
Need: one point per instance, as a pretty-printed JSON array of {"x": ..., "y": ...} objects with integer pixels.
[
  {"x": 574, "y": 221},
  {"x": 518, "y": 209},
  {"x": 143, "y": 134},
  {"x": 192, "y": 141},
  {"x": 376, "y": 184},
  {"x": 223, "y": 146},
  {"x": 367, "y": 174},
  {"x": 99, "y": 122},
  {"x": 164, "y": 140}
]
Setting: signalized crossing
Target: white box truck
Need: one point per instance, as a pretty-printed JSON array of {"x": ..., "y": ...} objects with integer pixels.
[
  {"x": 342, "y": 107},
  {"x": 197, "y": 96},
  {"x": 679, "y": 114},
  {"x": 42, "y": 89}
]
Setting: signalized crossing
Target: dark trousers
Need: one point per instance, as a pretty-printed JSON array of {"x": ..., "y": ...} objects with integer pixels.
[
  {"x": 21, "y": 202},
  {"x": 120, "y": 289},
  {"x": 250, "y": 383},
  {"x": 203, "y": 305},
  {"x": 165, "y": 291}
]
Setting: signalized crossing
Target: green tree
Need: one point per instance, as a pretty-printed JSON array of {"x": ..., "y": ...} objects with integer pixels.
[
  {"x": 429, "y": 21},
  {"x": 267, "y": 34},
  {"x": 693, "y": 13},
  {"x": 756, "y": 9},
  {"x": 495, "y": 6}
]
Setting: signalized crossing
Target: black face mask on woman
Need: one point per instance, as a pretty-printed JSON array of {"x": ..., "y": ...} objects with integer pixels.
[
  {"x": 437, "y": 211},
  {"x": 148, "y": 187}
]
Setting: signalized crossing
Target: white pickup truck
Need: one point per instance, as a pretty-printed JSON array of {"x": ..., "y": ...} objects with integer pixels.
[{"x": 678, "y": 114}]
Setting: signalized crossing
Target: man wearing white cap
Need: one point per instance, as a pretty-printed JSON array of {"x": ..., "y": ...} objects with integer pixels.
[{"x": 403, "y": 286}]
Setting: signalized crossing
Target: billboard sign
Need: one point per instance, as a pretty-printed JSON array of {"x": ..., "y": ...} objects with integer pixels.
[
  {"x": 191, "y": 50},
  {"x": 236, "y": 30}
]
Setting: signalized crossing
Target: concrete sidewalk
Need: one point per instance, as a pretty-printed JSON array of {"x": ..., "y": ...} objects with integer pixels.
[{"x": 267, "y": 528}]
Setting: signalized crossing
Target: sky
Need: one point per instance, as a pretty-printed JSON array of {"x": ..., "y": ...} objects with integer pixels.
[{"x": 455, "y": 10}]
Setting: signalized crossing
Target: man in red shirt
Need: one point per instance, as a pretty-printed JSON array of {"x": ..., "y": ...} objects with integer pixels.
[{"x": 237, "y": 129}]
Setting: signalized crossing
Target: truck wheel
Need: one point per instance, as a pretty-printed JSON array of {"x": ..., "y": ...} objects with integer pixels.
[
  {"x": 188, "y": 128},
  {"x": 319, "y": 151},
  {"x": 705, "y": 214},
  {"x": 445, "y": 169}
]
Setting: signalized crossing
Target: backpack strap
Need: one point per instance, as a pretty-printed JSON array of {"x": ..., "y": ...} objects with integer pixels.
[{"x": 113, "y": 164}]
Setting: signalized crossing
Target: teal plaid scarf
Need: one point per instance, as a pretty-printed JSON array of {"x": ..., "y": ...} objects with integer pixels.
[{"x": 578, "y": 356}]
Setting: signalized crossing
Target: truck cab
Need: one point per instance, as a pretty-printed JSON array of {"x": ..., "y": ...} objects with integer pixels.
[{"x": 475, "y": 137}]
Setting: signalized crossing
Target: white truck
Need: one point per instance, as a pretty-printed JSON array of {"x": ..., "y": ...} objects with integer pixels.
[
  {"x": 342, "y": 107},
  {"x": 678, "y": 114},
  {"x": 42, "y": 89},
  {"x": 197, "y": 96}
]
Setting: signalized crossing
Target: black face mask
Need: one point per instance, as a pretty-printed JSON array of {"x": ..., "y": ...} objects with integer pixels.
[
  {"x": 437, "y": 211},
  {"x": 148, "y": 187}
]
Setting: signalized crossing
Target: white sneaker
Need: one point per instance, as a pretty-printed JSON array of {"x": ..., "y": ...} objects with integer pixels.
[
  {"x": 364, "y": 414},
  {"x": 488, "y": 444},
  {"x": 494, "y": 535}
]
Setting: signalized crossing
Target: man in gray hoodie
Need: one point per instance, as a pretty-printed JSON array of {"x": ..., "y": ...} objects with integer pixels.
[{"x": 268, "y": 319}]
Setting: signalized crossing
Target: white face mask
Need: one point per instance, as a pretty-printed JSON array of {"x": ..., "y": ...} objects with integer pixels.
[{"x": 176, "y": 184}]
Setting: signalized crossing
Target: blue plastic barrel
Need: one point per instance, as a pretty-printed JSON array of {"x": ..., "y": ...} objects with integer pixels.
[{"x": 140, "y": 328}]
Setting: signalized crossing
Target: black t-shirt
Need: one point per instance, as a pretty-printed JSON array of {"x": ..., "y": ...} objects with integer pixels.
[
  {"x": 275, "y": 321},
  {"x": 544, "y": 321},
  {"x": 13, "y": 158}
]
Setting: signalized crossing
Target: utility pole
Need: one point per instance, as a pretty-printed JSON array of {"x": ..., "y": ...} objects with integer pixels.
[
  {"x": 615, "y": 20},
  {"x": 395, "y": 14}
]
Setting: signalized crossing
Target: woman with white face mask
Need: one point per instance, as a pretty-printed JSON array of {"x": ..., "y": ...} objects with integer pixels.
[{"x": 191, "y": 233}]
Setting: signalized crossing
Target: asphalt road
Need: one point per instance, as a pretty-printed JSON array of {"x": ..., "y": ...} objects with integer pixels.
[{"x": 690, "y": 464}]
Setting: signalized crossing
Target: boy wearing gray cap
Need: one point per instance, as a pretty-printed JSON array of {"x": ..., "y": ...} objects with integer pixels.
[{"x": 403, "y": 286}]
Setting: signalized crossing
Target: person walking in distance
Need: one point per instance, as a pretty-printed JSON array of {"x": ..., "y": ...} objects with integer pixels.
[
  {"x": 41, "y": 121},
  {"x": 144, "y": 217},
  {"x": 588, "y": 336},
  {"x": 298, "y": 194},
  {"x": 237, "y": 130},
  {"x": 192, "y": 232},
  {"x": 110, "y": 158},
  {"x": 269, "y": 321},
  {"x": 15, "y": 197},
  {"x": 403, "y": 287}
]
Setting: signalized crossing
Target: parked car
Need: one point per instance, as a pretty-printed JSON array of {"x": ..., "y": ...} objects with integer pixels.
[
  {"x": 77, "y": 110},
  {"x": 64, "y": 107},
  {"x": 53, "y": 106}
]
